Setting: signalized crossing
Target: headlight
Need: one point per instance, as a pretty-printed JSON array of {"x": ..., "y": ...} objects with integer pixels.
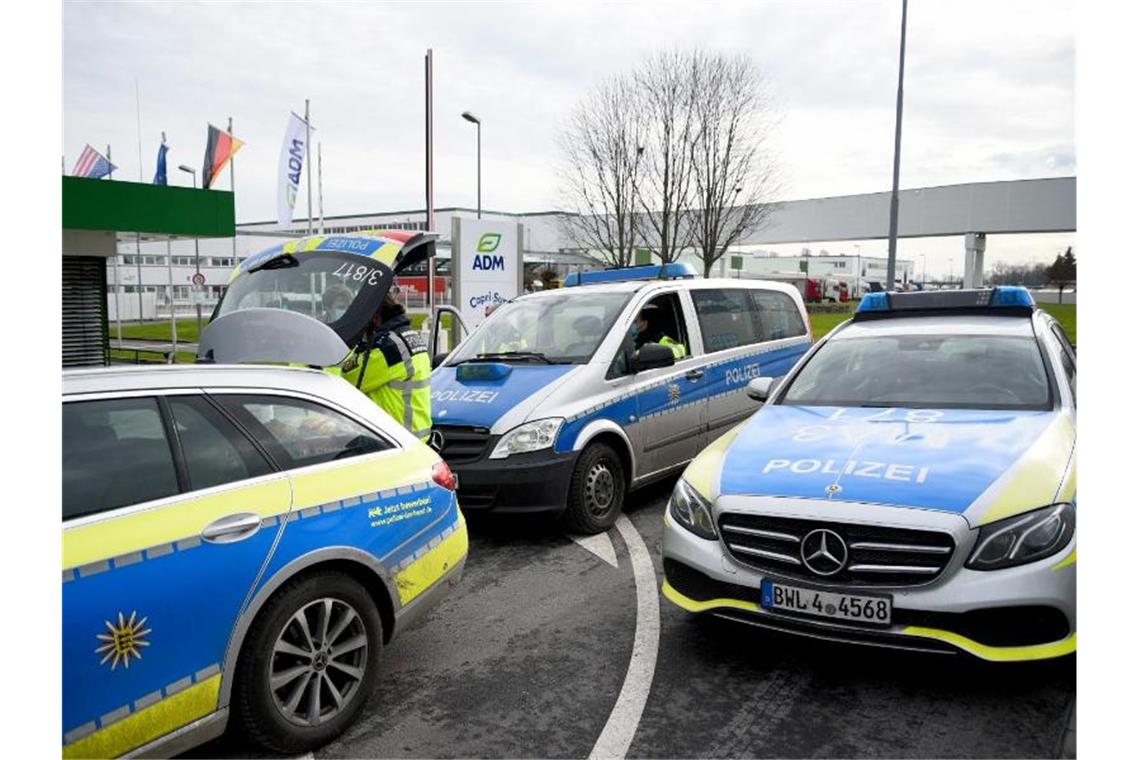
[
  {"x": 1024, "y": 538},
  {"x": 531, "y": 436},
  {"x": 692, "y": 510}
]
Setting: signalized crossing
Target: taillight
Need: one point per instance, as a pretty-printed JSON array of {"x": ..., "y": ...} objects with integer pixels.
[{"x": 443, "y": 475}]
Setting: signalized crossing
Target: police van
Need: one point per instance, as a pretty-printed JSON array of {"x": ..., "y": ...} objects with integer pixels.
[{"x": 554, "y": 404}]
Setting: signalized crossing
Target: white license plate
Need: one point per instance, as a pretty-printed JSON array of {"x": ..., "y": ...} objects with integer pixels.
[{"x": 828, "y": 604}]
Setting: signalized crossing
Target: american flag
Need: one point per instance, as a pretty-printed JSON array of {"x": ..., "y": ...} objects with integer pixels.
[{"x": 91, "y": 164}]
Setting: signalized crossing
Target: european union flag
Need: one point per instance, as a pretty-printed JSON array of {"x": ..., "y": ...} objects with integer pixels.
[{"x": 160, "y": 170}]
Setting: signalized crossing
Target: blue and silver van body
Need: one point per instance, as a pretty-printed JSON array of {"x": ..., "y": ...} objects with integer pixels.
[{"x": 549, "y": 407}]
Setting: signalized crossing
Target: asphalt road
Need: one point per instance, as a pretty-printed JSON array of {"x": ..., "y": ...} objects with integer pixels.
[{"x": 526, "y": 658}]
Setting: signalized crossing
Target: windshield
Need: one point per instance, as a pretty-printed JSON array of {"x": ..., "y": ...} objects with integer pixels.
[
  {"x": 959, "y": 371},
  {"x": 322, "y": 286},
  {"x": 561, "y": 328}
]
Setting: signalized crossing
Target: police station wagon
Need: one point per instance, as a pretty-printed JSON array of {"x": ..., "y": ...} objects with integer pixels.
[
  {"x": 551, "y": 405},
  {"x": 911, "y": 483},
  {"x": 239, "y": 544}
]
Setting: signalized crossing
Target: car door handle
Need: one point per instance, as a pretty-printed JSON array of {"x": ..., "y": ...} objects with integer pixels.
[
  {"x": 695, "y": 374},
  {"x": 231, "y": 528}
]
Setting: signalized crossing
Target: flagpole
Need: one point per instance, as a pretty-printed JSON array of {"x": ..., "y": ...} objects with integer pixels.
[
  {"x": 138, "y": 127},
  {"x": 429, "y": 200},
  {"x": 118, "y": 309},
  {"x": 232, "y": 189},
  {"x": 308, "y": 167},
  {"x": 170, "y": 285},
  {"x": 320, "y": 193},
  {"x": 110, "y": 166}
]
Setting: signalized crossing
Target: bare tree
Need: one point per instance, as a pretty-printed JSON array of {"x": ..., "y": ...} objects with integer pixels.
[
  {"x": 665, "y": 193},
  {"x": 601, "y": 168},
  {"x": 733, "y": 174}
]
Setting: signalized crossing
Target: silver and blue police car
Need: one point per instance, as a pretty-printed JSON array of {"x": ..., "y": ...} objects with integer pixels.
[
  {"x": 552, "y": 406},
  {"x": 911, "y": 483}
]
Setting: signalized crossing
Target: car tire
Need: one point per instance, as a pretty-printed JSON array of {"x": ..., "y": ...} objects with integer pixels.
[
  {"x": 274, "y": 684},
  {"x": 597, "y": 491}
]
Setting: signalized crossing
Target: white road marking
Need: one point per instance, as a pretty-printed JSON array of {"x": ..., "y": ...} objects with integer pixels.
[
  {"x": 619, "y": 730},
  {"x": 600, "y": 546}
]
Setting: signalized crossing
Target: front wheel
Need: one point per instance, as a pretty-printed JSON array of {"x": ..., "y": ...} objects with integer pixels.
[
  {"x": 309, "y": 663},
  {"x": 597, "y": 491}
]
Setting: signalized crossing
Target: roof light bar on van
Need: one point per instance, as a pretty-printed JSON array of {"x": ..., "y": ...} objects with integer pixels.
[
  {"x": 674, "y": 271},
  {"x": 1005, "y": 300}
]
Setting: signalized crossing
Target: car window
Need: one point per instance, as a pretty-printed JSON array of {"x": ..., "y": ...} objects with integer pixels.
[
  {"x": 778, "y": 315},
  {"x": 214, "y": 451},
  {"x": 728, "y": 318},
  {"x": 925, "y": 371},
  {"x": 115, "y": 453},
  {"x": 1068, "y": 355},
  {"x": 300, "y": 432},
  {"x": 665, "y": 320}
]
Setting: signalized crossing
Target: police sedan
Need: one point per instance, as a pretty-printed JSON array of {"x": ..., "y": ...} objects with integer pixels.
[
  {"x": 239, "y": 545},
  {"x": 911, "y": 483}
]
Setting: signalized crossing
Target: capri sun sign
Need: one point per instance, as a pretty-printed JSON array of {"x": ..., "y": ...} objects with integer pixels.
[{"x": 487, "y": 266}]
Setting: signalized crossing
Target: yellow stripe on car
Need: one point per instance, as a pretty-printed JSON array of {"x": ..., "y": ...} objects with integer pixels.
[
  {"x": 692, "y": 605},
  {"x": 425, "y": 571},
  {"x": 1069, "y": 560},
  {"x": 1034, "y": 481},
  {"x": 1065, "y": 646},
  {"x": 150, "y": 723},
  {"x": 1060, "y": 648},
  {"x": 704, "y": 471},
  {"x": 362, "y": 476},
  {"x": 178, "y": 519}
]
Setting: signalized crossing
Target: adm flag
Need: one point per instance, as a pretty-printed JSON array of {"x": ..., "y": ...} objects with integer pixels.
[
  {"x": 293, "y": 151},
  {"x": 220, "y": 148},
  {"x": 92, "y": 164}
]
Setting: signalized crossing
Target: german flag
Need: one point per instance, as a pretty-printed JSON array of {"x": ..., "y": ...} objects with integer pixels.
[{"x": 220, "y": 148}]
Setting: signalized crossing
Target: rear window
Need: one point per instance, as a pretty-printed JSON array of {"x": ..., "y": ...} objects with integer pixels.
[{"x": 933, "y": 371}]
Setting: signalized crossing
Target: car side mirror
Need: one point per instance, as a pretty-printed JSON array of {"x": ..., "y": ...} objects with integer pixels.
[
  {"x": 439, "y": 359},
  {"x": 653, "y": 356},
  {"x": 760, "y": 387}
]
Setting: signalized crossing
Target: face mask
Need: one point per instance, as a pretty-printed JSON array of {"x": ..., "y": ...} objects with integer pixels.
[{"x": 337, "y": 312}]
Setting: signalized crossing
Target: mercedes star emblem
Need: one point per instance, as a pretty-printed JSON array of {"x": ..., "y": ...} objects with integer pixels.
[
  {"x": 823, "y": 552},
  {"x": 436, "y": 440}
]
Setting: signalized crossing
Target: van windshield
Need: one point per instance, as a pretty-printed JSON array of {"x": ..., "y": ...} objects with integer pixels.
[{"x": 562, "y": 329}]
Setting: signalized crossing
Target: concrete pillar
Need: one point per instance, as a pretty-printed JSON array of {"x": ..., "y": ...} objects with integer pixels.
[{"x": 975, "y": 260}]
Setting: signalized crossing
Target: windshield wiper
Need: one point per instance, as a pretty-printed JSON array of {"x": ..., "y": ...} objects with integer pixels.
[
  {"x": 277, "y": 262},
  {"x": 500, "y": 355}
]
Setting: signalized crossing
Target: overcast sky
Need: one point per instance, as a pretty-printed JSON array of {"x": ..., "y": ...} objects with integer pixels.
[{"x": 989, "y": 93}]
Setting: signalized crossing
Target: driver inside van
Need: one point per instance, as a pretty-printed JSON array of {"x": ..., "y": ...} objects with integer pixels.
[{"x": 650, "y": 330}]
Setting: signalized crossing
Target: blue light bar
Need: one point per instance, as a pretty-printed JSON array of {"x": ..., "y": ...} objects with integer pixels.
[
  {"x": 1008, "y": 295},
  {"x": 874, "y": 302},
  {"x": 1001, "y": 298},
  {"x": 648, "y": 272}
]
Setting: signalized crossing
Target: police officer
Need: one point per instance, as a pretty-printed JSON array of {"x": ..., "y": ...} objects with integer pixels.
[
  {"x": 648, "y": 331},
  {"x": 392, "y": 367}
]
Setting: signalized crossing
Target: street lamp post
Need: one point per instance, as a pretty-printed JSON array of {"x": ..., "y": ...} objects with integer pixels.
[
  {"x": 478, "y": 161},
  {"x": 197, "y": 260},
  {"x": 951, "y": 260},
  {"x": 923, "y": 255}
]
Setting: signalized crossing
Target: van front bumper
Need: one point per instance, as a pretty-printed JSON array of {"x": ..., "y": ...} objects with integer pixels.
[{"x": 537, "y": 483}]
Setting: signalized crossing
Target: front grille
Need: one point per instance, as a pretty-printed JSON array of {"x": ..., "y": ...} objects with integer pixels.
[
  {"x": 463, "y": 444},
  {"x": 877, "y": 556}
]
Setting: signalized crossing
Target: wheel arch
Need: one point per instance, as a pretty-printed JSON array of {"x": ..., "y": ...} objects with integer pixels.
[
  {"x": 355, "y": 563},
  {"x": 609, "y": 432}
]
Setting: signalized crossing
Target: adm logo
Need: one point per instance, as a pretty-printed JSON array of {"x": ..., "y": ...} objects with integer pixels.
[{"x": 489, "y": 243}]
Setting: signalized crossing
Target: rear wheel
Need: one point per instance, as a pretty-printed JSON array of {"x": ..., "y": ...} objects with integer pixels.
[
  {"x": 309, "y": 663},
  {"x": 597, "y": 491}
]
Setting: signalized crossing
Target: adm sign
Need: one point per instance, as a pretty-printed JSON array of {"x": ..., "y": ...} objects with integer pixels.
[{"x": 487, "y": 266}]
